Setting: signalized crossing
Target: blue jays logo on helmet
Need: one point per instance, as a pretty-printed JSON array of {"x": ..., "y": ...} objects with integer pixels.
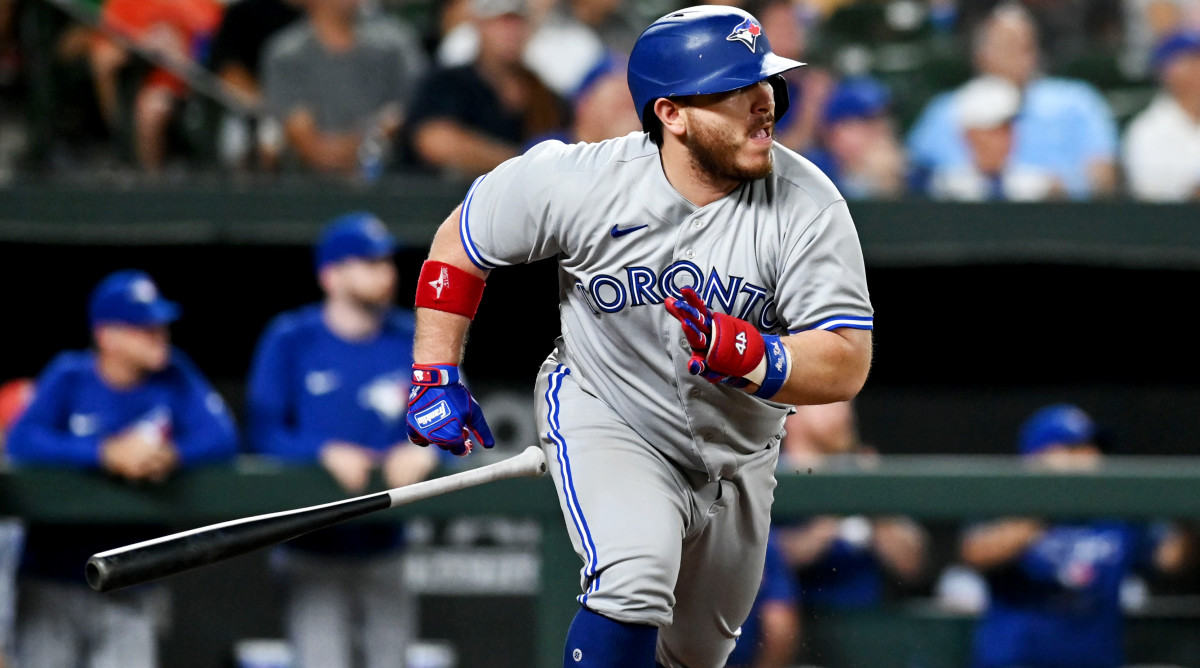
[{"x": 746, "y": 32}]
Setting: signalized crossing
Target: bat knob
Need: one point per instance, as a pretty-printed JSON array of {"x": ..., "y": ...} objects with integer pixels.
[{"x": 96, "y": 572}]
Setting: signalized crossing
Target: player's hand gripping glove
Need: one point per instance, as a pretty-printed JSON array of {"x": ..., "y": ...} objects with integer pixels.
[
  {"x": 729, "y": 350},
  {"x": 442, "y": 411}
]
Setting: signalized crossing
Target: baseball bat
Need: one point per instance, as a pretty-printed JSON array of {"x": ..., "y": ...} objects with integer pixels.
[{"x": 178, "y": 552}]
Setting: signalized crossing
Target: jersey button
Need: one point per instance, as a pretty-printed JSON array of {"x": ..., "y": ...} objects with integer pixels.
[
  {"x": 694, "y": 392},
  {"x": 698, "y": 224},
  {"x": 689, "y": 254},
  {"x": 683, "y": 345}
]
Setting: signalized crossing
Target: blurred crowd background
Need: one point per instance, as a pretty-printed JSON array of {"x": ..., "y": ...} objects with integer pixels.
[{"x": 941, "y": 99}]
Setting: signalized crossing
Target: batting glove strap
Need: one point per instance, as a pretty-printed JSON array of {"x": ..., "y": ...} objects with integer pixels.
[
  {"x": 434, "y": 375},
  {"x": 448, "y": 417},
  {"x": 778, "y": 367}
]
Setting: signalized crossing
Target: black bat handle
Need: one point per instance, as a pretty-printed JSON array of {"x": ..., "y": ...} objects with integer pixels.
[{"x": 142, "y": 562}]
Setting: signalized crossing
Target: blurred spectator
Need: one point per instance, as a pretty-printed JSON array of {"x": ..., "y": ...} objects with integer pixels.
[
  {"x": 770, "y": 635},
  {"x": 577, "y": 35},
  {"x": 859, "y": 149},
  {"x": 1148, "y": 23},
  {"x": 568, "y": 38},
  {"x": 134, "y": 408},
  {"x": 786, "y": 24},
  {"x": 987, "y": 109},
  {"x": 340, "y": 84},
  {"x": 1070, "y": 29},
  {"x": 842, "y": 562},
  {"x": 1065, "y": 127},
  {"x": 236, "y": 56},
  {"x": 602, "y": 108},
  {"x": 174, "y": 30},
  {"x": 1054, "y": 589},
  {"x": 1162, "y": 143},
  {"x": 329, "y": 384},
  {"x": 9, "y": 54},
  {"x": 15, "y": 396},
  {"x": 468, "y": 119}
]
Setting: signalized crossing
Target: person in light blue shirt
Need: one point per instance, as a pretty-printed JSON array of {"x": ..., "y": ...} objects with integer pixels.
[
  {"x": 1065, "y": 127},
  {"x": 329, "y": 384},
  {"x": 134, "y": 408}
]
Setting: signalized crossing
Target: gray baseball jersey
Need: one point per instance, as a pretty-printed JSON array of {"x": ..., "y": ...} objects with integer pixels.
[
  {"x": 780, "y": 252},
  {"x": 665, "y": 480}
]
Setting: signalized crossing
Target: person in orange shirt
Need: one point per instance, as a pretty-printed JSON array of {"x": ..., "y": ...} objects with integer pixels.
[{"x": 174, "y": 29}]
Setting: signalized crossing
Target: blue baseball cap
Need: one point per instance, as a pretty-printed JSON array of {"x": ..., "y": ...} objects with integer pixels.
[
  {"x": 857, "y": 97},
  {"x": 1174, "y": 44},
  {"x": 354, "y": 235},
  {"x": 130, "y": 297},
  {"x": 1059, "y": 424}
]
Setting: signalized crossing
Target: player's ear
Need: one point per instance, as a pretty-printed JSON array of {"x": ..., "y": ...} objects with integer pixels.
[
  {"x": 669, "y": 113},
  {"x": 327, "y": 278}
]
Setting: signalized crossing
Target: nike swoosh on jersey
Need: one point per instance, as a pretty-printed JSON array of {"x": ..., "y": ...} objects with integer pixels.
[{"x": 618, "y": 232}]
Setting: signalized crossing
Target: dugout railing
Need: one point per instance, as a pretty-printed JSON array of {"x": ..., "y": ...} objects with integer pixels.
[{"x": 926, "y": 488}]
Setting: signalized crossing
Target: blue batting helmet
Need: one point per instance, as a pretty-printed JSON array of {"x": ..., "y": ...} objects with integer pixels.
[{"x": 701, "y": 50}]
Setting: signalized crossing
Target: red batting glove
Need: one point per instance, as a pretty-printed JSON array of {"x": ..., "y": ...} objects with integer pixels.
[{"x": 724, "y": 348}]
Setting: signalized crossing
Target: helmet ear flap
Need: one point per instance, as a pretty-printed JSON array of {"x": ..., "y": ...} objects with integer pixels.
[{"x": 782, "y": 102}]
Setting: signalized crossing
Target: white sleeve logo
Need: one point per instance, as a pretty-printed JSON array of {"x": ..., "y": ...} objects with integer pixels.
[{"x": 443, "y": 281}]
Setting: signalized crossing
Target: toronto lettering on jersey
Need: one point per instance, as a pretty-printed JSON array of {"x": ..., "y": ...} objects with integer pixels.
[{"x": 641, "y": 286}]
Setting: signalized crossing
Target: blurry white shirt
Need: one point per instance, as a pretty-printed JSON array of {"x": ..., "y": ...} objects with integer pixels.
[
  {"x": 561, "y": 52},
  {"x": 1017, "y": 184},
  {"x": 1162, "y": 152}
]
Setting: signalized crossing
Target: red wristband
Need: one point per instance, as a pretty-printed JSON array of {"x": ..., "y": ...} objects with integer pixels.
[{"x": 445, "y": 287}]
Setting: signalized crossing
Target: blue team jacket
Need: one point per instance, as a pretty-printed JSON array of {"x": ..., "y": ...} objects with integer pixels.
[
  {"x": 1058, "y": 606},
  {"x": 73, "y": 411},
  {"x": 307, "y": 386}
]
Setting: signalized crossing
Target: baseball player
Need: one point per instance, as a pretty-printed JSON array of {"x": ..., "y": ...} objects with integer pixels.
[
  {"x": 1055, "y": 588},
  {"x": 328, "y": 384},
  {"x": 709, "y": 279},
  {"x": 138, "y": 409}
]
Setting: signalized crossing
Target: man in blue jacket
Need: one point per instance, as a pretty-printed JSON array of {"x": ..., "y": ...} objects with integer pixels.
[
  {"x": 1055, "y": 587},
  {"x": 329, "y": 384},
  {"x": 135, "y": 408}
]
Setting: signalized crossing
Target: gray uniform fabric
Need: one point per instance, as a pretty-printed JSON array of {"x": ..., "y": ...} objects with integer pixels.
[
  {"x": 344, "y": 612},
  {"x": 12, "y": 540},
  {"x": 665, "y": 479},
  {"x": 343, "y": 91}
]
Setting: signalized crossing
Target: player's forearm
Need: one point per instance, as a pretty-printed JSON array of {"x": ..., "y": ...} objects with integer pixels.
[
  {"x": 986, "y": 548},
  {"x": 827, "y": 366},
  {"x": 319, "y": 150},
  {"x": 448, "y": 144},
  {"x": 47, "y": 446},
  {"x": 442, "y": 336},
  {"x": 900, "y": 544}
]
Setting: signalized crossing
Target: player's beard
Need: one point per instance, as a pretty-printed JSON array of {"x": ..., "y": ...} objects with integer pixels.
[
  {"x": 375, "y": 301},
  {"x": 714, "y": 150}
]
